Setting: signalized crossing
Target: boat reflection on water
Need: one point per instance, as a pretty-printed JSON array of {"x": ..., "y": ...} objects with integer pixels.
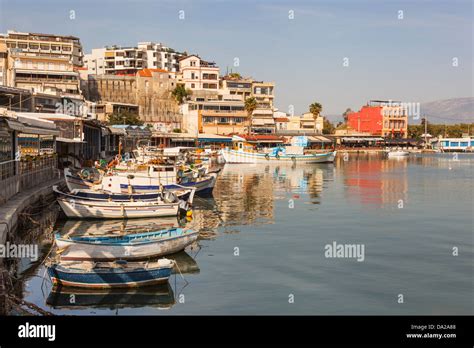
[{"x": 157, "y": 296}]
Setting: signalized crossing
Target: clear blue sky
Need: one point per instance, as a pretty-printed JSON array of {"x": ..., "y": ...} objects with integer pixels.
[{"x": 407, "y": 59}]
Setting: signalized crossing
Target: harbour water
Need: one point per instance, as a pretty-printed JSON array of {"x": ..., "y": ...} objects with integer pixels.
[{"x": 264, "y": 234}]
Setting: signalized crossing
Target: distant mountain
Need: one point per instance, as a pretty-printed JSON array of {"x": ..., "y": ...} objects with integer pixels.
[{"x": 457, "y": 110}]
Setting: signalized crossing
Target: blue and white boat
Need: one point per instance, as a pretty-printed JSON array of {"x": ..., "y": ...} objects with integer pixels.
[
  {"x": 74, "y": 207},
  {"x": 104, "y": 275},
  {"x": 133, "y": 246}
]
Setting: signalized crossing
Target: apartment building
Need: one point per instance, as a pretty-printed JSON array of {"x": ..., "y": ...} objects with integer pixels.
[
  {"x": 117, "y": 60},
  {"x": 263, "y": 93},
  {"x": 380, "y": 118},
  {"x": 215, "y": 117},
  {"x": 159, "y": 56},
  {"x": 46, "y": 45},
  {"x": 44, "y": 74},
  {"x": 305, "y": 123},
  {"x": 198, "y": 75},
  {"x": 237, "y": 89}
]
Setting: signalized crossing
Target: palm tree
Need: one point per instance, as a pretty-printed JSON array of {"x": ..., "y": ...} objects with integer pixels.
[
  {"x": 250, "y": 106},
  {"x": 180, "y": 94},
  {"x": 315, "y": 109}
]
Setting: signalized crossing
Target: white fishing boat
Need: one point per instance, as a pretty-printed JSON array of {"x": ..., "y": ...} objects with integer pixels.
[
  {"x": 131, "y": 246},
  {"x": 105, "y": 209},
  {"x": 397, "y": 153},
  {"x": 245, "y": 152}
]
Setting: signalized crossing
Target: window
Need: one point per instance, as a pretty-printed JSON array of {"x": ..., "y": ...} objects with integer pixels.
[
  {"x": 464, "y": 143},
  {"x": 193, "y": 76},
  {"x": 454, "y": 143},
  {"x": 193, "y": 85}
]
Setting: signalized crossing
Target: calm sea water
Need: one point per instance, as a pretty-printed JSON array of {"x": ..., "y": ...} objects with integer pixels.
[{"x": 263, "y": 238}]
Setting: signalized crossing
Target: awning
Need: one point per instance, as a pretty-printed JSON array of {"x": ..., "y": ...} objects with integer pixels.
[
  {"x": 182, "y": 139},
  {"x": 216, "y": 140},
  {"x": 262, "y": 121},
  {"x": 117, "y": 131},
  {"x": 39, "y": 131},
  {"x": 105, "y": 131},
  {"x": 69, "y": 140},
  {"x": 318, "y": 139},
  {"x": 14, "y": 125}
]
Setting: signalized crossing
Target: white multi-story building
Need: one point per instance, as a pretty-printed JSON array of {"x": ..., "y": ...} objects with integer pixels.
[
  {"x": 118, "y": 60},
  {"x": 45, "y": 45},
  {"x": 198, "y": 74},
  {"x": 160, "y": 57}
]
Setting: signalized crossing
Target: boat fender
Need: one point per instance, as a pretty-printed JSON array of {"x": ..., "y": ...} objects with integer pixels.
[
  {"x": 85, "y": 174},
  {"x": 130, "y": 176},
  {"x": 267, "y": 157},
  {"x": 170, "y": 197},
  {"x": 293, "y": 158}
]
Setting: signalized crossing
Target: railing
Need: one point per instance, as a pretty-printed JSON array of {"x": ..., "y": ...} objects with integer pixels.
[{"x": 17, "y": 176}]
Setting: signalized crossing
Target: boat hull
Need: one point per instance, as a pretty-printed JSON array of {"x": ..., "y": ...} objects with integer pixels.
[
  {"x": 80, "y": 250},
  {"x": 203, "y": 187},
  {"x": 108, "y": 278},
  {"x": 233, "y": 156},
  {"x": 398, "y": 154},
  {"x": 116, "y": 210}
]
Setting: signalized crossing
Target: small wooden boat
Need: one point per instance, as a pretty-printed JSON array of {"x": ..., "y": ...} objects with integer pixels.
[
  {"x": 128, "y": 247},
  {"x": 104, "y": 209},
  {"x": 118, "y": 274}
]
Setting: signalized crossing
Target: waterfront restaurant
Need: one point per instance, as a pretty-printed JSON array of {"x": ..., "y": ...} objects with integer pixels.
[
  {"x": 454, "y": 144},
  {"x": 23, "y": 164}
]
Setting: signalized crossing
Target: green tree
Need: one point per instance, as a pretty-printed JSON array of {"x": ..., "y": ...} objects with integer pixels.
[
  {"x": 125, "y": 117},
  {"x": 346, "y": 113},
  {"x": 315, "y": 109},
  {"x": 235, "y": 76},
  {"x": 250, "y": 106},
  {"x": 328, "y": 126},
  {"x": 180, "y": 94}
]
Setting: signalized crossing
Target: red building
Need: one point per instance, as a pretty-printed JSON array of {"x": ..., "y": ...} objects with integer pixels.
[
  {"x": 382, "y": 119},
  {"x": 368, "y": 120}
]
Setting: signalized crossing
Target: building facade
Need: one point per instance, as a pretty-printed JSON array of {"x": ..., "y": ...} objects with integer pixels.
[
  {"x": 44, "y": 74},
  {"x": 117, "y": 60},
  {"x": 46, "y": 45},
  {"x": 380, "y": 118},
  {"x": 197, "y": 74},
  {"x": 215, "y": 117},
  {"x": 149, "y": 90}
]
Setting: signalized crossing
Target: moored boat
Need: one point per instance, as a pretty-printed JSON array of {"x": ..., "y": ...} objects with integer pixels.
[
  {"x": 103, "y": 209},
  {"x": 119, "y": 274},
  {"x": 277, "y": 157},
  {"x": 397, "y": 153},
  {"x": 128, "y": 247},
  {"x": 245, "y": 150}
]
